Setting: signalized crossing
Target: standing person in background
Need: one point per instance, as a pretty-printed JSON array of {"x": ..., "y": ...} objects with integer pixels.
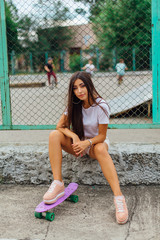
[
  {"x": 120, "y": 67},
  {"x": 49, "y": 66},
  {"x": 89, "y": 67}
]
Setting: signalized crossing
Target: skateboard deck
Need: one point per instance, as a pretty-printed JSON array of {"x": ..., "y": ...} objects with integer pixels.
[{"x": 44, "y": 208}]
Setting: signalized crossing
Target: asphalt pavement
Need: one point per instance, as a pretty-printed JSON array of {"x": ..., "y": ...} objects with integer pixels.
[{"x": 92, "y": 218}]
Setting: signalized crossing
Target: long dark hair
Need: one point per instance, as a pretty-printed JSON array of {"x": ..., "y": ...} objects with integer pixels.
[{"x": 74, "y": 105}]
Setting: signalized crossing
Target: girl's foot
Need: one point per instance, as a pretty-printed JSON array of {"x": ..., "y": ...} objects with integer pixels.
[
  {"x": 121, "y": 209},
  {"x": 55, "y": 191}
]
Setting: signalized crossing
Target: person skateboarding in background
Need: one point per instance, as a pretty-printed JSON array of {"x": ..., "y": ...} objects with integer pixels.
[
  {"x": 89, "y": 67},
  {"x": 81, "y": 130},
  {"x": 120, "y": 67},
  {"x": 49, "y": 66}
]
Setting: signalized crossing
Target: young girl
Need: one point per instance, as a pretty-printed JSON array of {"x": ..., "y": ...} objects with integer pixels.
[{"x": 81, "y": 130}]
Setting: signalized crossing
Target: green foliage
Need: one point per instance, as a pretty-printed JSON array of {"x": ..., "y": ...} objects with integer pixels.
[
  {"x": 121, "y": 24},
  {"x": 54, "y": 39},
  {"x": 57, "y": 11},
  {"x": 26, "y": 25},
  {"x": 12, "y": 27},
  {"x": 39, "y": 34},
  {"x": 74, "y": 63}
]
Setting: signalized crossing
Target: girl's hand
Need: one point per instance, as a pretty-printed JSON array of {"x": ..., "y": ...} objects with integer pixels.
[
  {"x": 80, "y": 146},
  {"x": 75, "y": 139}
]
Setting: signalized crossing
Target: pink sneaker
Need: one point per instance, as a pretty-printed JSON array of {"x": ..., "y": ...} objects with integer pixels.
[
  {"x": 121, "y": 209},
  {"x": 55, "y": 191}
]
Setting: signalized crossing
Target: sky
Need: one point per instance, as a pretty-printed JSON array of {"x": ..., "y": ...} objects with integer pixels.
[{"x": 26, "y": 7}]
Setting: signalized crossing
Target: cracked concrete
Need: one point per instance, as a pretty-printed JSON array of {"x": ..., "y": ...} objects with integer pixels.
[
  {"x": 47, "y": 231},
  {"x": 132, "y": 211},
  {"x": 92, "y": 218}
]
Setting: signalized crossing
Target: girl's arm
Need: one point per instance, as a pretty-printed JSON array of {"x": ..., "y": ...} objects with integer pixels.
[
  {"x": 101, "y": 134},
  {"x": 62, "y": 127}
]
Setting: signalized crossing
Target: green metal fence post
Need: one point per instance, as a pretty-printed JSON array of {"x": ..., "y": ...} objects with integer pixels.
[
  {"x": 150, "y": 58},
  {"x": 13, "y": 62},
  {"x": 114, "y": 60},
  {"x": 97, "y": 58},
  {"x": 46, "y": 57},
  {"x": 156, "y": 60},
  {"x": 31, "y": 62},
  {"x": 4, "y": 79},
  {"x": 134, "y": 58},
  {"x": 62, "y": 61}
]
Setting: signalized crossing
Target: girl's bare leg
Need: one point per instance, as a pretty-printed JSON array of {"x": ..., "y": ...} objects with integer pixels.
[
  {"x": 100, "y": 152},
  {"x": 57, "y": 142}
]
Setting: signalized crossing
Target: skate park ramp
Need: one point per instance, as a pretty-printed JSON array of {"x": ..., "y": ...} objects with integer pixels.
[{"x": 131, "y": 99}]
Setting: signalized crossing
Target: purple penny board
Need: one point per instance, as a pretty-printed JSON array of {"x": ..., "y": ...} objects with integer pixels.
[{"x": 42, "y": 207}]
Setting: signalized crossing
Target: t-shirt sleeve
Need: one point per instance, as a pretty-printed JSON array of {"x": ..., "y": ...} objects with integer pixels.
[
  {"x": 103, "y": 114},
  {"x": 92, "y": 67}
]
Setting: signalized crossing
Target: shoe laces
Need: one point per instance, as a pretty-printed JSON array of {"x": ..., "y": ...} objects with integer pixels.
[
  {"x": 52, "y": 187},
  {"x": 120, "y": 205}
]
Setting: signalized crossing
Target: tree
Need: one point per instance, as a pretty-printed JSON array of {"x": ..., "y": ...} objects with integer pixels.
[
  {"x": 12, "y": 27},
  {"x": 51, "y": 12},
  {"x": 123, "y": 23},
  {"x": 75, "y": 62},
  {"x": 120, "y": 26},
  {"x": 53, "y": 37},
  {"x": 26, "y": 26}
]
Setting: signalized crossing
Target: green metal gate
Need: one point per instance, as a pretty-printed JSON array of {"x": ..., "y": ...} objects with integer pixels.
[{"x": 73, "y": 32}]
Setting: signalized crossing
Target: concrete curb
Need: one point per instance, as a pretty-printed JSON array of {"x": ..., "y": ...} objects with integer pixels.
[{"x": 29, "y": 164}]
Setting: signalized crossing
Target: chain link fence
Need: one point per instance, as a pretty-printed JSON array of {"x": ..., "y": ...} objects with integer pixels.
[{"x": 114, "y": 34}]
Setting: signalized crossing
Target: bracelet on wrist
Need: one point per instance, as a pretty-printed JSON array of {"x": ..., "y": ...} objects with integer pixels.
[{"x": 90, "y": 142}]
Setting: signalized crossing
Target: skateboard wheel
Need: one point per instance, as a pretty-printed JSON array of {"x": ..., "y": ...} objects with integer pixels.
[
  {"x": 50, "y": 216},
  {"x": 73, "y": 198},
  {"x": 38, "y": 214}
]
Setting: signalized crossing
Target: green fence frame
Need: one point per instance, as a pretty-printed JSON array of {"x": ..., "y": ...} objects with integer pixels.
[
  {"x": 5, "y": 90},
  {"x": 156, "y": 60},
  {"x": 4, "y": 79}
]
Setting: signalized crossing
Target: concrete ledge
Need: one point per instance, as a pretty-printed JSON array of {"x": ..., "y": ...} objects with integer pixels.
[{"x": 29, "y": 163}]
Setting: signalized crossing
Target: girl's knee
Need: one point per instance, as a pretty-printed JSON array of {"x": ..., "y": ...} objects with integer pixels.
[
  {"x": 55, "y": 134},
  {"x": 100, "y": 148}
]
